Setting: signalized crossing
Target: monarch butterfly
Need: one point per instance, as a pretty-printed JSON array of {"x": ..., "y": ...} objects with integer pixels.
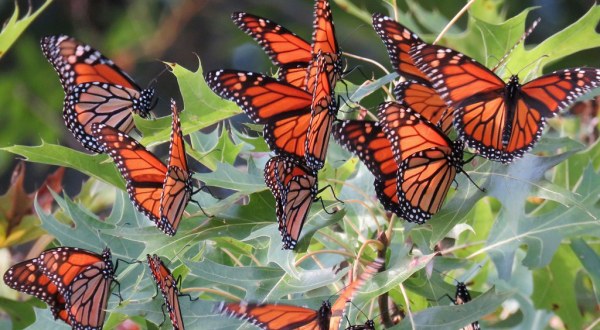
[
  {"x": 286, "y": 50},
  {"x": 284, "y": 109},
  {"x": 428, "y": 160},
  {"x": 273, "y": 316},
  {"x": 368, "y": 141},
  {"x": 28, "y": 278},
  {"x": 323, "y": 113},
  {"x": 461, "y": 297},
  {"x": 168, "y": 287},
  {"x": 325, "y": 44},
  {"x": 416, "y": 92},
  {"x": 500, "y": 120},
  {"x": 160, "y": 192},
  {"x": 294, "y": 189},
  {"x": 82, "y": 279},
  {"x": 96, "y": 89}
]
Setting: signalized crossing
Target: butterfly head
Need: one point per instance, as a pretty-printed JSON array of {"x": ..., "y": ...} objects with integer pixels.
[{"x": 145, "y": 103}]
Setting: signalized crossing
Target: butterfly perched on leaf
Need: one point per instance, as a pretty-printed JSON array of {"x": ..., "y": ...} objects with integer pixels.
[
  {"x": 462, "y": 296},
  {"x": 501, "y": 120},
  {"x": 279, "y": 316},
  {"x": 294, "y": 188},
  {"x": 74, "y": 282},
  {"x": 96, "y": 90},
  {"x": 168, "y": 287},
  {"x": 159, "y": 191}
]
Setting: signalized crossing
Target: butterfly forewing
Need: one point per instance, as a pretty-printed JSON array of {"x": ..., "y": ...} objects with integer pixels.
[
  {"x": 323, "y": 113},
  {"x": 500, "y": 120},
  {"x": 368, "y": 141},
  {"x": 427, "y": 160},
  {"x": 28, "y": 278},
  {"x": 289, "y": 52},
  {"x": 168, "y": 288},
  {"x": 283, "y": 108},
  {"x": 426, "y": 101},
  {"x": 96, "y": 90},
  {"x": 398, "y": 40}
]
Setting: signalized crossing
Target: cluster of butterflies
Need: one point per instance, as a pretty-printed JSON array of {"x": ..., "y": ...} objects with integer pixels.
[
  {"x": 408, "y": 149},
  {"x": 76, "y": 284}
]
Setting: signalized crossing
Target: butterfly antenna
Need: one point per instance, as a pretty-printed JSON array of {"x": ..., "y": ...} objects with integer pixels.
[
  {"x": 154, "y": 80},
  {"x": 522, "y": 39}
]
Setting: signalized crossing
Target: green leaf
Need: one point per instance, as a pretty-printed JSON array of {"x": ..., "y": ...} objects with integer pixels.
[
  {"x": 590, "y": 261},
  {"x": 554, "y": 287},
  {"x": 227, "y": 176},
  {"x": 14, "y": 27},
  {"x": 202, "y": 108},
  {"x": 458, "y": 316},
  {"x": 98, "y": 166}
]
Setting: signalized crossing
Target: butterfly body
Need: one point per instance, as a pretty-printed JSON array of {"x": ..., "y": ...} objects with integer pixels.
[
  {"x": 96, "y": 89},
  {"x": 462, "y": 296},
  {"x": 74, "y": 282},
  {"x": 500, "y": 120},
  {"x": 159, "y": 191},
  {"x": 168, "y": 288},
  {"x": 290, "y": 317},
  {"x": 294, "y": 188}
]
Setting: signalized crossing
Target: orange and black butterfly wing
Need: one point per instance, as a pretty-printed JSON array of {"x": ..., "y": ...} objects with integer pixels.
[
  {"x": 338, "y": 309},
  {"x": 324, "y": 42},
  {"x": 398, "y": 41},
  {"x": 88, "y": 293},
  {"x": 283, "y": 108},
  {"x": 286, "y": 50},
  {"x": 168, "y": 287},
  {"x": 177, "y": 187},
  {"x": 426, "y": 101},
  {"x": 272, "y": 168},
  {"x": 428, "y": 160},
  {"x": 502, "y": 121},
  {"x": 144, "y": 174},
  {"x": 98, "y": 103},
  {"x": 477, "y": 94},
  {"x": 298, "y": 189},
  {"x": 28, "y": 278},
  {"x": 77, "y": 63},
  {"x": 323, "y": 113},
  {"x": 463, "y": 296},
  {"x": 96, "y": 90},
  {"x": 278, "y": 317},
  {"x": 368, "y": 141}
]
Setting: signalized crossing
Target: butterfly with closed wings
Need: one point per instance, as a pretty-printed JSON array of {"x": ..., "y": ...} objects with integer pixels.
[
  {"x": 96, "y": 90},
  {"x": 159, "y": 191}
]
